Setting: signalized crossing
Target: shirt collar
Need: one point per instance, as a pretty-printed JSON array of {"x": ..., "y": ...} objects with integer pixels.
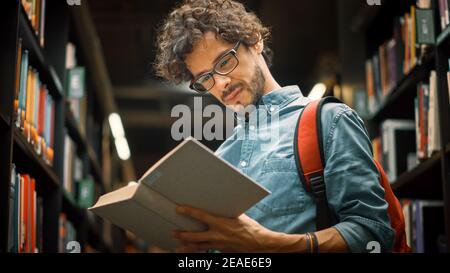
[
  {"x": 277, "y": 99},
  {"x": 280, "y": 97}
]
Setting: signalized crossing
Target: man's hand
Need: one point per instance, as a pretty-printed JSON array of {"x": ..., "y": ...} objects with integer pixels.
[{"x": 241, "y": 234}]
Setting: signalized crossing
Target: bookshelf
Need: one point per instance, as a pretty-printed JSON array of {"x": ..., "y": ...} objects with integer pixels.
[
  {"x": 37, "y": 54},
  {"x": 75, "y": 132},
  {"x": 25, "y": 155},
  {"x": 430, "y": 178},
  {"x": 403, "y": 90},
  {"x": 410, "y": 184},
  {"x": 19, "y": 155}
]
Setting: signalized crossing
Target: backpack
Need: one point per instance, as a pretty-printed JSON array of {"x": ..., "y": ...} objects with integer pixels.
[{"x": 309, "y": 157}]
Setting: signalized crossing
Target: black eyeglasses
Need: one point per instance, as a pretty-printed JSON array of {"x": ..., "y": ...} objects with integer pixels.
[{"x": 226, "y": 64}]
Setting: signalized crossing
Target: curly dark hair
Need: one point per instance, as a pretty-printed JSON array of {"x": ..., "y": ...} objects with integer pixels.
[{"x": 187, "y": 23}]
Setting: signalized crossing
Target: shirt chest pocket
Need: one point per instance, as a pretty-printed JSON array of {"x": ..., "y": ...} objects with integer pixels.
[{"x": 280, "y": 176}]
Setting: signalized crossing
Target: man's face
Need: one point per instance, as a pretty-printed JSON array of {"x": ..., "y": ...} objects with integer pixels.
[{"x": 240, "y": 88}]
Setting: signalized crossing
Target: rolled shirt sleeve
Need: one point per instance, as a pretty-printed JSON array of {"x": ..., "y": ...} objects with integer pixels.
[{"x": 353, "y": 189}]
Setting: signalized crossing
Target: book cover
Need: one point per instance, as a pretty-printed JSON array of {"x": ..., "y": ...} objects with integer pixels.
[
  {"x": 425, "y": 26},
  {"x": 85, "y": 193},
  {"x": 191, "y": 175}
]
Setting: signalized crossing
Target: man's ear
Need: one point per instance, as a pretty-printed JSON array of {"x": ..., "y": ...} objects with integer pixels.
[{"x": 259, "y": 46}]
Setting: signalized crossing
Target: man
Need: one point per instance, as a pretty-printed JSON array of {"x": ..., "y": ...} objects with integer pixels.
[{"x": 222, "y": 49}]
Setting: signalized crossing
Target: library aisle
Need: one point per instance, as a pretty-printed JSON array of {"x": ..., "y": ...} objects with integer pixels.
[{"x": 83, "y": 112}]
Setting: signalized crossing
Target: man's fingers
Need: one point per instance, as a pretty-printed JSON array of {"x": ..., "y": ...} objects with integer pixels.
[{"x": 198, "y": 215}]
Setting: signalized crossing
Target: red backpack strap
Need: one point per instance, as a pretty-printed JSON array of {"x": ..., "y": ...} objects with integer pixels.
[
  {"x": 310, "y": 160},
  {"x": 395, "y": 213}
]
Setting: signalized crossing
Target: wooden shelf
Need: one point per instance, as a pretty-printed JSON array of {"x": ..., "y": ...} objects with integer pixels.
[
  {"x": 74, "y": 130},
  {"x": 404, "y": 92},
  {"x": 69, "y": 206},
  {"x": 83, "y": 144},
  {"x": 444, "y": 37},
  {"x": 37, "y": 56},
  {"x": 77, "y": 216},
  {"x": 27, "y": 161},
  {"x": 3, "y": 121},
  {"x": 422, "y": 182},
  {"x": 95, "y": 166}
]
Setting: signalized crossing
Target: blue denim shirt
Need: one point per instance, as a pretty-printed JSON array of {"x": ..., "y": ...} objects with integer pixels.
[{"x": 351, "y": 177}]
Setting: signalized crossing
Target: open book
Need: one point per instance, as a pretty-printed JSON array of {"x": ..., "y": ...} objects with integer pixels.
[{"x": 191, "y": 175}]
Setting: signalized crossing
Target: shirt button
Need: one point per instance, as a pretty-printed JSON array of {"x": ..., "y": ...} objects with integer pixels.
[
  {"x": 272, "y": 109},
  {"x": 243, "y": 164},
  {"x": 252, "y": 127}
]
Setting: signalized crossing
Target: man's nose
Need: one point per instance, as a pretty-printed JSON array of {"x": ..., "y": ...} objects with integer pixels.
[{"x": 222, "y": 82}]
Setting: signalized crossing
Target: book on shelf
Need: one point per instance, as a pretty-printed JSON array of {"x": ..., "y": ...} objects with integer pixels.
[
  {"x": 35, "y": 10},
  {"x": 389, "y": 64},
  {"x": 67, "y": 234},
  {"x": 398, "y": 141},
  {"x": 72, "y": 168},
  {"x": 76, "y": 93},
  {"x": 190, "y": 174},
  {"x": 423, "y": 99},
  {"x": 34, "y": 107},
  {"x": 85, "y": 192},
  {"x": 426, "y": 26},
  {"x": 424, "y": 225},
  {"x": 434, "y": 139},
  {"x": 412, "y": 41},
  {"x": 443, "y": 7},
  {"x": 78, "y": 186},
  {"x": 377, "y": 79},
  {"x": 26, "y": 214},
  {"x": 427, "y": 118},
  {"x": 448, "y": 81},
  {"x": 426, "y": 29},
  {"x": 370, "y": 86},
  {"x": 17, "y": 81},
  {"x": 397, "y": 56}
]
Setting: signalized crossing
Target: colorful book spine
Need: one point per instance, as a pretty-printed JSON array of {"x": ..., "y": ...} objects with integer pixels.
[
  {"x": 393, "y": 60},
  {"x": 23, "y": 90},
  {"x": 35, "y": 10},
  {"x": 12, "y": 194},
  {"x": 35, "y": 109},
  {"x": 427, "y": 114},
  {"x": 67, "y": 233},
  {"x": 26, "y": 219},
  {"x": 448, "y": 81},
  {"x": 424, "y": 225}
]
